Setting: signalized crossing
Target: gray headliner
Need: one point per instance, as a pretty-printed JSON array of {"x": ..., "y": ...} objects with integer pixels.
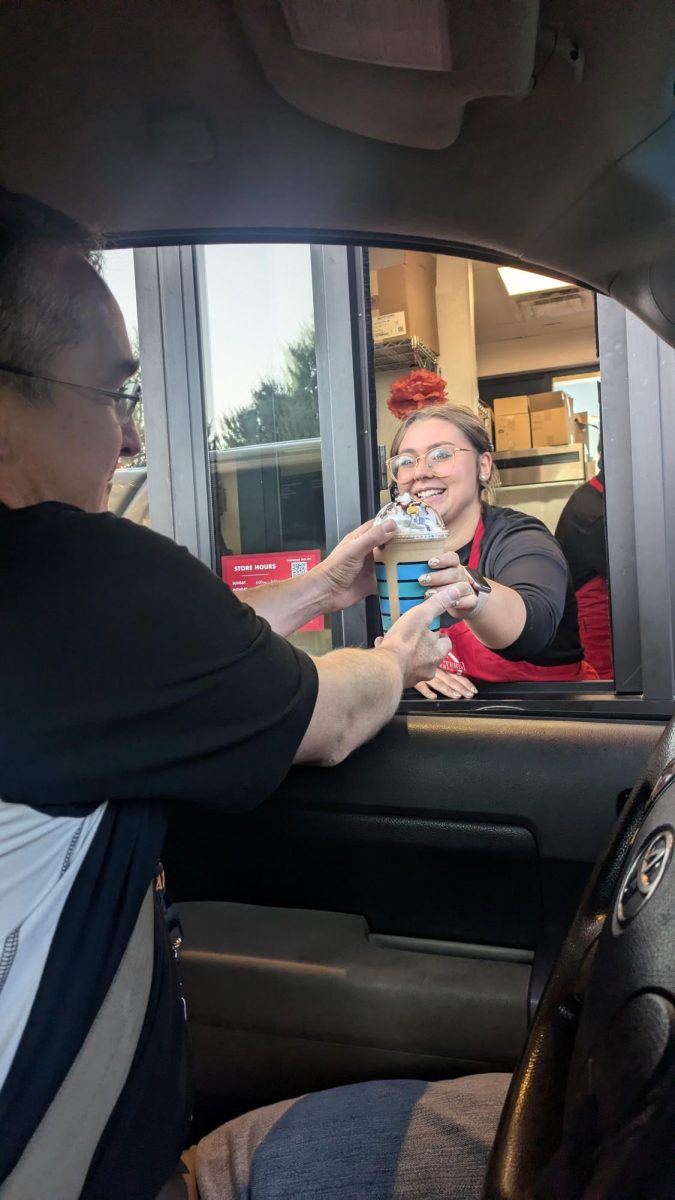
[{"x": 578, "y": 177}]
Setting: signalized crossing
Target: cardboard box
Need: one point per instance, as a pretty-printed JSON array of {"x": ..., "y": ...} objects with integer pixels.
[
  {"x": 512, "y": 432},
  {"x": 374, "y": 296},
  {"x": 507, "y": 405},
  {"x": 581, "y": 428},
  {"x": 541, "y": 464},
  {"x": 408, "y": 293},
  {"x": 389, "y": 326},
  {"x": 512, "y": 423},
  {"x": 552, "y": 419}
]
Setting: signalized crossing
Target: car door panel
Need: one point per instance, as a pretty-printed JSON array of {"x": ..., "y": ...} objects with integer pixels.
[
  {"x": 263, "y": 984},
  {"x": 432, "y": 876},
  {"x": 406, "y": 875}
]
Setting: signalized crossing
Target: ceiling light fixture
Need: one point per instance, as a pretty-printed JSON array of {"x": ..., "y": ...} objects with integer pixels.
[{"x": 520, "y": 283}]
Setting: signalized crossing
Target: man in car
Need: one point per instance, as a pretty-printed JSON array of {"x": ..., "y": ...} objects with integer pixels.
[{"x": 129, "y": 676}]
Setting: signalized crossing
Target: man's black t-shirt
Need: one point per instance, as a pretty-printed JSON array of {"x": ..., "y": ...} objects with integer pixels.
[
  {"x": 129, "y": 676},
  {"x": 518, "y": 551},
  {"x": 581, "y": 533}
]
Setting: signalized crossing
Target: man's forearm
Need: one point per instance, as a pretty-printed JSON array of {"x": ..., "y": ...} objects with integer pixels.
[
  {"x": 359, "y": 691},
  {"x": 288, "y": 604}
]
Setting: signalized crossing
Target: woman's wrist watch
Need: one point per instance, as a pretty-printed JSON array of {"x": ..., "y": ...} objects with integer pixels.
[{"x": 482, "y": 589}]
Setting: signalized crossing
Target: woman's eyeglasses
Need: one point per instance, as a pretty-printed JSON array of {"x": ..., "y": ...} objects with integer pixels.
[
  {"x": 124, "y": 400},
  {"x": 438, "y": 461}
]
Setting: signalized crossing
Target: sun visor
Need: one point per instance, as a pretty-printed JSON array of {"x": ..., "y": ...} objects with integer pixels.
[{"x": 400, "y": 71}]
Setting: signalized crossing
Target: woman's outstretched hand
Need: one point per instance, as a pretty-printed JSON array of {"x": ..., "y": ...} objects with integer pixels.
[{"x": 448, "y": 686}]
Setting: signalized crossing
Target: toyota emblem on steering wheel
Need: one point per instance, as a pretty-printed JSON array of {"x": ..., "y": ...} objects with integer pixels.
[{"x": 643, "y": 877}]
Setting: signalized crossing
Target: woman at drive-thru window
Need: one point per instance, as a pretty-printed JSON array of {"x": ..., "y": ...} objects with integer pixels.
[{"x": 516, "y": 611}]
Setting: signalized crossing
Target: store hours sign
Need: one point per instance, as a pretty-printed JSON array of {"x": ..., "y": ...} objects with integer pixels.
[{"x": 244, "y": 571}]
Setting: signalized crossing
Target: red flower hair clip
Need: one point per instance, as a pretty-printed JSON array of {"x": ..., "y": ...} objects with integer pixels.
[{"x": 416, "y": 390}]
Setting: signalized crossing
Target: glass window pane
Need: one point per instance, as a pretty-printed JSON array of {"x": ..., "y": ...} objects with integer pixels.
[
  {"x": 129, "y": 495},
  {"x": 585, "y": 392},
  {"x": 521, "y": 355},
  {"x": 263, "y": 418}
]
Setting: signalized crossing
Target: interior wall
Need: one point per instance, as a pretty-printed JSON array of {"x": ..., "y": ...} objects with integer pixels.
[
  {"x": 545, "y": 502},
  {"x": 457, "y": 342},
  {"x": 463, "y": 359},
  {"x": 562, "y": 349},
  {"x": 456, "y": 329},
  {"x": 387, "y": 423}
]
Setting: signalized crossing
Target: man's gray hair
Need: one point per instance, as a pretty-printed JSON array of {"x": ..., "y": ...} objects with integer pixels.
[{"x": 36, "y": 318}]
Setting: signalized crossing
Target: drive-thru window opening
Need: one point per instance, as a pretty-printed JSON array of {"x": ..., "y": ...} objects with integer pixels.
[{"x": 300, "y": 345}]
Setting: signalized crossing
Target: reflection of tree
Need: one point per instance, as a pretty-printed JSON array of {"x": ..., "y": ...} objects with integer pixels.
[
  {"x": 280, "y": 410},
  {"x": 140, "y": 460}
]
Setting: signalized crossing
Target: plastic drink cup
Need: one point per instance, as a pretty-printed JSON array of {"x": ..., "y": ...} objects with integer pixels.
[
  {"x": 400, "y": 561},
  {"x": 398, "y": 566}
]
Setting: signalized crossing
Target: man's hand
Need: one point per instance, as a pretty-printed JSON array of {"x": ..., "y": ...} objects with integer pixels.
[
  {"x": 348, "y": 573},
  {"x": 343, "y": 578},
  {"x": 418, "y": 650},
  {"x": 359, "y": 690}
]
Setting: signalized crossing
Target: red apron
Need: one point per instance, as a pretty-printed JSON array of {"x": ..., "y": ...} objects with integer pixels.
[
  {"x": 469, "y": 656},
  {"x": 594, "y": 623}
]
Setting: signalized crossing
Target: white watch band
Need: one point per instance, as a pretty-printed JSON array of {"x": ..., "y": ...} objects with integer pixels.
[{"x": 481, "y": 600}]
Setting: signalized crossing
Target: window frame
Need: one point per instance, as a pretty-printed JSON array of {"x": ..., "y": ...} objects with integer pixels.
[
  {"x": 638, "y": 387},
  {"x": 168, "y": 305},
  {"x": 638, "y": 403},
  {"x": 343, "y": 389}
]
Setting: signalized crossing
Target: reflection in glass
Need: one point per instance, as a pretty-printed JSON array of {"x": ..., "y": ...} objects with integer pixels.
[{"x": 263, "y": 417}]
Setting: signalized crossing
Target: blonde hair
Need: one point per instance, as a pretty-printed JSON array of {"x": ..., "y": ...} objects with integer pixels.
[{"x": 472, "y": 428}]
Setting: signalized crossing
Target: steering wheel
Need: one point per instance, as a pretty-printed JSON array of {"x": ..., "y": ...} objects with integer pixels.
[{"x": 590, "y": 1114}]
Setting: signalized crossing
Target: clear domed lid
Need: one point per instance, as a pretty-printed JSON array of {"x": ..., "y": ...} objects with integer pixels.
[{"x": 413, "y": 517}]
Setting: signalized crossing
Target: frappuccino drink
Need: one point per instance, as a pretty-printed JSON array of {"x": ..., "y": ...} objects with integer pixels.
[{"x": 420, "y": 535}]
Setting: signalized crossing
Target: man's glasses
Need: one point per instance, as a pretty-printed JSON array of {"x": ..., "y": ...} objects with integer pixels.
[
  {"x": 438, "y": 461},
  {"x": 123, "y": 401}
]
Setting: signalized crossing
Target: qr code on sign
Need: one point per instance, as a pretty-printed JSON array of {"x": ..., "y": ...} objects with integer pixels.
[{"x": 298, "y": 568}]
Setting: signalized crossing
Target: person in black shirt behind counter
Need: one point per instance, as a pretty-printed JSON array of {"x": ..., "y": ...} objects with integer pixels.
[
  {"x": 517, "y": 616},
  {"x": 581, "y": 533}
]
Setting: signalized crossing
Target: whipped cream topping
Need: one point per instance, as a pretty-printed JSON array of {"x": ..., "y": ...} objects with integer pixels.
[{"x": 414, "y": 519}]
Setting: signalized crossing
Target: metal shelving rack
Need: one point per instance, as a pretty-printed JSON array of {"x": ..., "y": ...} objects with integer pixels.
[{"x": 403, "y": 353}]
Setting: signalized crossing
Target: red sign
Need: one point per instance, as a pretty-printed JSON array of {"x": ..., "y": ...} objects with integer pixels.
[{"x": 244, "y": 571}]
